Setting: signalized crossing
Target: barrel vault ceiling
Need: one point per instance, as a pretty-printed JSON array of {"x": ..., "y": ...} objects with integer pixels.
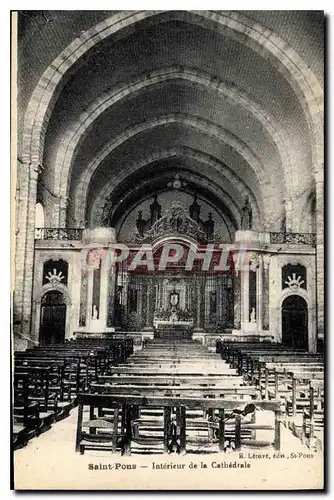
[{"x": 172, "y": 95}]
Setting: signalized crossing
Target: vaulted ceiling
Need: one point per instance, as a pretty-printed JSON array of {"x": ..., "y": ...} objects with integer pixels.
[{"x": 170, "y": 93}]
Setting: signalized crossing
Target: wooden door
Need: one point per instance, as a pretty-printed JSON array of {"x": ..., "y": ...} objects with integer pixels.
[
  {"x": 53, "y": 319},
  {"x": 295, "y": 322}
]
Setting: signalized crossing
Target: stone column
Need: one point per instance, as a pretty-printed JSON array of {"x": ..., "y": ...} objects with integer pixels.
[
  {"x": 219, "y": 311},
  {"x": 90, "y": 278},
  {"x": 104, "y": 285},
  {"x": 112, "y": 275},
  {"x": 265, "y": 292},
  {"x": 63, "y": 203},
  {"x": 198, "y": 295},
  {"x": 245, "y": 296},
  {"x": 319, "y": 187},
  {"x": 24, "y": 253},
  {"x": 237, "y": 300},
  {"x": 98, "y": 240},
  {"x": 259, "y": 293},
  {"x": 83, "y": 299},
  {"x": 149, "y": 315},
  {"x": 288, "y": 214}
]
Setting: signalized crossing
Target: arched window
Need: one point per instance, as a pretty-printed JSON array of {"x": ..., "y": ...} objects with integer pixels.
[
  {"x": 39, "y": 221},
  {"x": 39, "y": 216}
]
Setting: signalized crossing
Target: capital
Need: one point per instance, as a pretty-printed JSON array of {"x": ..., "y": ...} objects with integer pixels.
[
  {"x": 36, "y": 169},
  {"x": 266, "y": 261}
]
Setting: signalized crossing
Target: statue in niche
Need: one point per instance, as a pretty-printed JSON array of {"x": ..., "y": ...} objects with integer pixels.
[
  {"x": 95, "y": 314},
  {"x": 155, "y": 209},
  {"x": 252, "y": 315},
  {"x": 246, "y": 218},
  {"x": 209, "y": 226},
  {"x": 140, "y": 224},
  {"x": 106, "y": 212},
  {"x": 194, "y": 210}
]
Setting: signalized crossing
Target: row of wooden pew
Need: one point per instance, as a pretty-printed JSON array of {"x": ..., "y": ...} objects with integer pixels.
[
  {"x": 174, "y": 397},
  {"x": 294, "y": 377},
  {"x": 47, "y": 380}
]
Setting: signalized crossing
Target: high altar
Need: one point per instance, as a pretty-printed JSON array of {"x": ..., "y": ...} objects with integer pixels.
[{"x": 155, "y": 298}]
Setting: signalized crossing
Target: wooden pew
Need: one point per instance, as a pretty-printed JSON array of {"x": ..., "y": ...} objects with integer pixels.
[
  {"x": 300, "y": 382},
  {"x": 123, "y": 430},
  {"x": 230, "y": 351},
  {"x": 283, "y": 377},
  {"x": 40, "y": 381},
  {"x": 23, "y": 398},
  {"x": 248, "y": 360},
  {"x": 256, "y": 364},
  {"x": 58, "y": 371},
  {"x": 124, "y": 345},
  {"x": 48, "y": 378},
  {"x": 75, "y": 372},
  {"x": 225, "y": 348},
  {"x": 279, "y": 372},
  {"x": 191, "y": 370},
  {"x": 184, "y": 391},
  {"x": 26, "y": 422},
  {"x": 173, "y": 380},
  {"x": 313, "y": 415},
  {"x": 47, "y": 387}
]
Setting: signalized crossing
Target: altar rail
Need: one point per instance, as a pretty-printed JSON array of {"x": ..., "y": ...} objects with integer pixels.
[
  {"x": 293, "y": 238},
  {"x": 58, "y": 233}
]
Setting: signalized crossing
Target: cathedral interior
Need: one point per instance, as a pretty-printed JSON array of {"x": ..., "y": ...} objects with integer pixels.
[{"x": 199, "y": 130}]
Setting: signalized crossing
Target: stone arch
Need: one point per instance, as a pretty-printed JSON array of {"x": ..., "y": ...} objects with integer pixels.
[
  {"x": 230, "y": 222},
  {"x": 265, "y": 42},
  {"x": 307, "y": 223},
  {"x": 199, "y": 124},
  {"x": 186, "y": 152},
  {"x": 75, "y": 133},
  {"x": 183, "y": 240},
  {"x": 50, "y": 288},
  {"x": 252, "y": 34}
]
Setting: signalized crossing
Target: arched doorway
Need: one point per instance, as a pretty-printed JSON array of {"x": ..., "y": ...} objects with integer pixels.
[
  {"x": 53, "y": 318},
  {"x": 295, "y": 322}
]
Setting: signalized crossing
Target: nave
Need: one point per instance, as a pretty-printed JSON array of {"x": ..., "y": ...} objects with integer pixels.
[{"x": 168, "y": 397}]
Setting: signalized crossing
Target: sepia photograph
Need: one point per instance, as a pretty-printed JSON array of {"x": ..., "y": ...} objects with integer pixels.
[{"x": 167, "y": 223}]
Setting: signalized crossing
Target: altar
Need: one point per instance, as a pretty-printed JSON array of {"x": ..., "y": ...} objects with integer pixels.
[
  {"x": 171, "y": 324},
  {"x": 175, "y": 293},
  {"x": 174, "y": 331},
  {"x": 175, "y": 320}
]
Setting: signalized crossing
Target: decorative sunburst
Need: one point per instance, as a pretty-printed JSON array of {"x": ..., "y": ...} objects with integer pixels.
[
  {"x": 54, "y": 278},
  {"x": 294, "y": 282}
]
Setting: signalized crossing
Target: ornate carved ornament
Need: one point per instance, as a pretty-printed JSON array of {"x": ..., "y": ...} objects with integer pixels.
[
  {"x": 295, "y": 282},
  {"x": 175, "y": 221},
  {"x": 266, "y": 261},
  {"x": 177, "y": 182},
  {"x": 253, "y": 260},
  {"x": 55, "y": 278}
]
